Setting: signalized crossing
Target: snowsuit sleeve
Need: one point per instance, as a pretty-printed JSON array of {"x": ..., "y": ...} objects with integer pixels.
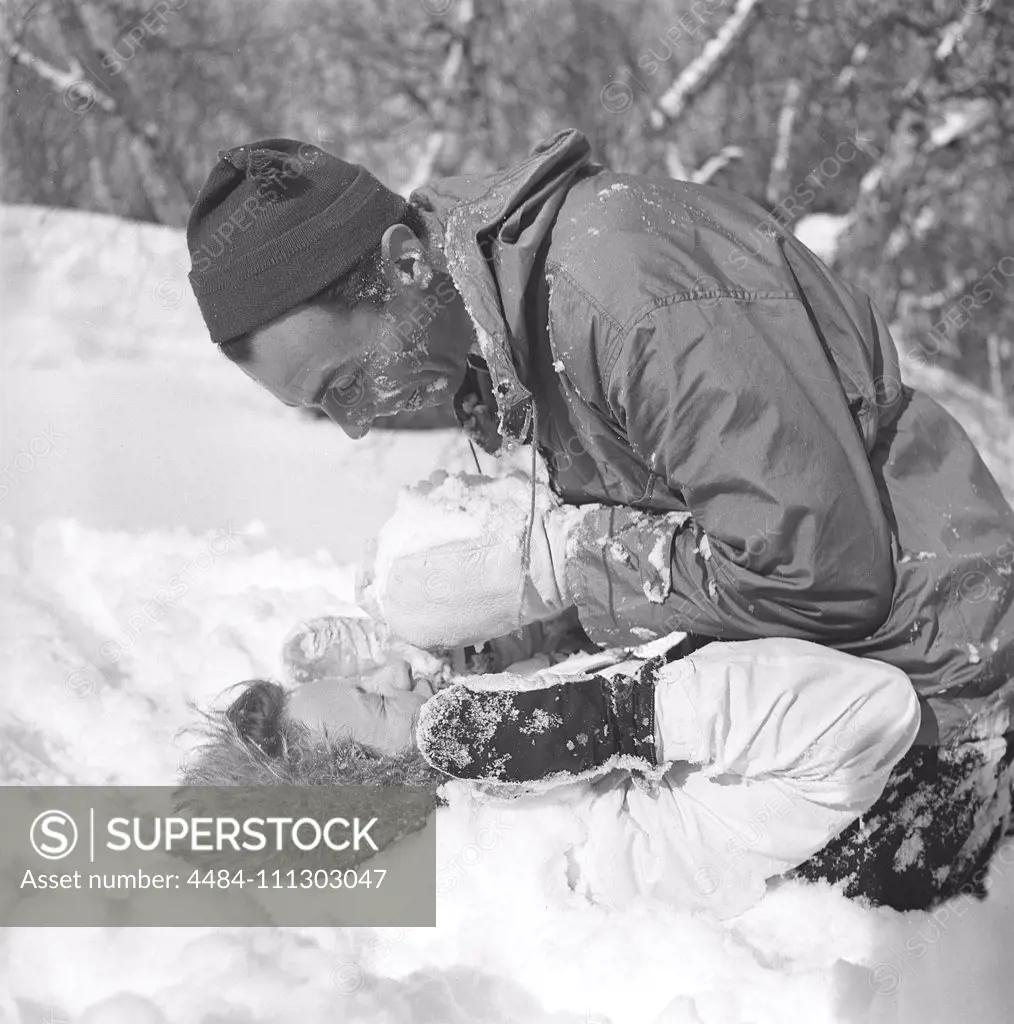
[
  {"x": 793, "y": 742},
  {"x": 786, "y": 535}
]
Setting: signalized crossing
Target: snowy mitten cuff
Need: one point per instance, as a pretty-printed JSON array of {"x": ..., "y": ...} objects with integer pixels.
[
  {"x": 577, "y": 728},
  {"x": 450, "y": 563}
]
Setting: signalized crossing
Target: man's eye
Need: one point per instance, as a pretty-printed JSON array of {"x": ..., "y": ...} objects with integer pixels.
[
  {"x": 341, "y": 387},
  {"x": 340, "y": 390},
  {"x": 344, "y": 393}
]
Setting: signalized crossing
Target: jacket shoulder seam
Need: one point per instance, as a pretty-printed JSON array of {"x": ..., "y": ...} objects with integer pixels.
[
  {"x": 717, "y": 294},
  {"x": 558, "y": 269}
]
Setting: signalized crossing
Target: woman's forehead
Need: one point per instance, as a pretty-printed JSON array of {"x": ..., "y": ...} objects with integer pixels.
[{"x": 328, "y": 695}]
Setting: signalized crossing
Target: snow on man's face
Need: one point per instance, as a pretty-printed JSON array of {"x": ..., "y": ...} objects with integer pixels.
[
  {"x": 356, "y": 365},
  {"x": 378, "y": 708}
]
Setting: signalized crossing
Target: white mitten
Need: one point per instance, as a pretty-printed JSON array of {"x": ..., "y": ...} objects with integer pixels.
[{"x": 449, "y": 564}]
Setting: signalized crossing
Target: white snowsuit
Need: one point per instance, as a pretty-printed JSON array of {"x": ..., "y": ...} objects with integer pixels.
[{"x": 780, "y": 744}]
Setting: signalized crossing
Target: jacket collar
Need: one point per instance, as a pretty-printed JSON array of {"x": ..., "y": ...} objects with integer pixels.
[{"x": 492, "y": 228}]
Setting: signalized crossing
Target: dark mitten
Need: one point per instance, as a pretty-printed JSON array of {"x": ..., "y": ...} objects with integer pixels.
[{"x": 576, "y": 728}]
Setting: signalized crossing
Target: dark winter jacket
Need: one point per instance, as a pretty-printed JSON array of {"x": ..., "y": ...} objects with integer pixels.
[{"x": 738, "y": 414}]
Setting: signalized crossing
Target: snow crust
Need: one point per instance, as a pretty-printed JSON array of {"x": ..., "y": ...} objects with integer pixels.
[{"x": 96, "y": 689}]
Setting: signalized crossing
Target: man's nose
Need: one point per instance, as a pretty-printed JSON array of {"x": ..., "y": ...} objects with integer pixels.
[{"x": 355, "y": 427}]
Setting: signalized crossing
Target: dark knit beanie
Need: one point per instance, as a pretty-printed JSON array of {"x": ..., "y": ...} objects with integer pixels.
[{"x": 276, "y": 222}]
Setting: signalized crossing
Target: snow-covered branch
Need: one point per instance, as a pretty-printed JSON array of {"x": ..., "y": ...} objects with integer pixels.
[
  {"x": 887, "y": 214},
  {"x": 848, "y": 74},
  {"x": 62, "y": 81},
  {"x": 701, "y": 71},
  {"x": 954, "y": 32},
  {"x": 933, "y": 301},
  {"x": 716, "y": 163},
  {"x": 703, "y": 174}
]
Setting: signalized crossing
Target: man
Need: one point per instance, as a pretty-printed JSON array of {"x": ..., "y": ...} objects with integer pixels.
[{"x": 723, "y": 418}]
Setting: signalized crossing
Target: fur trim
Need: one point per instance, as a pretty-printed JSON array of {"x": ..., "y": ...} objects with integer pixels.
[{"x": 306, "y": 765}]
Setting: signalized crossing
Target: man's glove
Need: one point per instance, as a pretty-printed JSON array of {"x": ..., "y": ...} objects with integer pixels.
[{"x": 448, "y": 568}]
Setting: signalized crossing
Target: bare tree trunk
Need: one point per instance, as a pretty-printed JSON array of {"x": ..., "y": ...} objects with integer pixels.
[
  {"x": 97, "y": 169},
  {"x": 86, "y": 84},
  {"x": 442, "y": 139},
  {"x": 157, "y": 164},
  {"x": 442, "y": 152},
  {"x": 996, "y": 369},
  {"x": 778, "y": 174}
]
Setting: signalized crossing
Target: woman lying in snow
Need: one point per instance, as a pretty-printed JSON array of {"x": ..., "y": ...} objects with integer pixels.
[{"x": 707, "y": 773}]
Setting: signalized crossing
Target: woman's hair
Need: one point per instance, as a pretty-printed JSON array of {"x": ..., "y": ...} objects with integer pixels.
[
  {"x": 254, "y": 743},
  {"x": 365, "y": 281},
  {"x": 256, "y": 715}
]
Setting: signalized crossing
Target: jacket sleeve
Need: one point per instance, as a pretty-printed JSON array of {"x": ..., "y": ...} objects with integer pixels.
[
  {"x": 793, "y": 742},
  {"x": 738, "y": 417}
]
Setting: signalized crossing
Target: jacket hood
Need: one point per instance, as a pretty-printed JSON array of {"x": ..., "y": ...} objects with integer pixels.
[{"x": 493, "y": 228}]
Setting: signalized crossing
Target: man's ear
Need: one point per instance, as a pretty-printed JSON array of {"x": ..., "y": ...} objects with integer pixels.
[{"x": 404, "y": 257}]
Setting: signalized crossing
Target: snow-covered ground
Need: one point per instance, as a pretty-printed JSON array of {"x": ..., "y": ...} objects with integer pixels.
[{"x": 164, "y": 524}]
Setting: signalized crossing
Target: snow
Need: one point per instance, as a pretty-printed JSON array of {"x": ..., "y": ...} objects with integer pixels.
[
  {"x": 704, "y": 546},
  {"x": 163, "y": 547},
  {"x": 916, "y": 556},
  {"x": 821, "y": 233}
]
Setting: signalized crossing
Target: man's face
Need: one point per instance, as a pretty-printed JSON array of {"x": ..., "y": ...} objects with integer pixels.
[
  {"x": 377, "y": 709},
  {"x": 369, "y": 362}
]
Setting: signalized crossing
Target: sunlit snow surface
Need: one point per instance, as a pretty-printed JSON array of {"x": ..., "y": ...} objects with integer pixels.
[{"x": 90, "y": 698}]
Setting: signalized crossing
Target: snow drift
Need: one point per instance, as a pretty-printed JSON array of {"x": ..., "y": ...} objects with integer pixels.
[{"x": 149, "y": 559}]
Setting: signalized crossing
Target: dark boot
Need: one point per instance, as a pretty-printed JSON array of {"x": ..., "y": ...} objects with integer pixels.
[
  {"x": 930, "y": 836},
  {"x": 574, "y": 729}
]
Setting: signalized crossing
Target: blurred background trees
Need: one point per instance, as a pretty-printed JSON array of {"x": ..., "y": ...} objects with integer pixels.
[{"x": 882, "y": 131}]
